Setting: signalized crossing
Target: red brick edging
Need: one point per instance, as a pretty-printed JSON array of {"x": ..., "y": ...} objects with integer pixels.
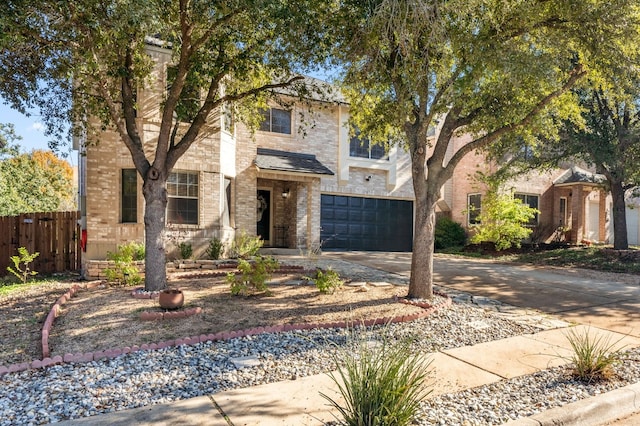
[{"x": 113, "y": 353}]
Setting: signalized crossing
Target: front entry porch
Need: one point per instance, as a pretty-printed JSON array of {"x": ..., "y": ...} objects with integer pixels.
[{"x": 288, "y": 199}]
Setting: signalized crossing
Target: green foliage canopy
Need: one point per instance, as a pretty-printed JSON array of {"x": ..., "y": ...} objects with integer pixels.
[
  {"x": 422, "y": 73},
  {"x": 83, "y": 62}
]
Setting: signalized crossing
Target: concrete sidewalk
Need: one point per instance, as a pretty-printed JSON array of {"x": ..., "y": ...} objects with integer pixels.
[{"x": 298, "y": 402}]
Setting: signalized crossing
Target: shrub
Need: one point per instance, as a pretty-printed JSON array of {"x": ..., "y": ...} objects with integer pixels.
[
  {"x": 252, "y": 276},
  {"x": 21, "y": 264},
  {"x": 382, "y": 384},
  {"x": 326, "y": 282},
  {"x": 449, "y": 234},
  {"x": 593, "y": 357},
  {"x": 245, "y": 246},
  {"x": 186, "y": 250},
  {"x": 215, "y": 249},
  {"x": 124, "y": 270},
  {"x": 132, "y": 250},
  {"x": 503, "y": 220}
]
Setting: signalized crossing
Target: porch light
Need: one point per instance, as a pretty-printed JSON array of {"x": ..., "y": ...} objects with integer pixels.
[{"x": 285, "y": 193}]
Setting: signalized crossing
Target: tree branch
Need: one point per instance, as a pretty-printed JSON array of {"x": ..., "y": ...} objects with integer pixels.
[
  {"x": 485, "y": 140},
  {"x": 187, "y": 140}
]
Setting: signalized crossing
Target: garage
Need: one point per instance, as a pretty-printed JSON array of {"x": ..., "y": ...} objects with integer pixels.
[{"x": 372, "y": 224}]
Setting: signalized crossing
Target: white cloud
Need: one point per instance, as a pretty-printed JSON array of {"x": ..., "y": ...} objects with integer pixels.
[{"x": 37, "y": 126}]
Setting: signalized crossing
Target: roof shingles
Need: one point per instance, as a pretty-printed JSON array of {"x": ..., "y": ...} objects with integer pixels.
[{"x": 292, "y": 162}]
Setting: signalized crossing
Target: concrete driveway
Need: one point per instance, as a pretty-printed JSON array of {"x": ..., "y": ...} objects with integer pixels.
[{"x": 603, "y": 300}]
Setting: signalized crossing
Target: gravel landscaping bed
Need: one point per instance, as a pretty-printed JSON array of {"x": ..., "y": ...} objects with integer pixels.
[
  {"x": 143, "y": 378},
  {"x": 70, "y": 391},
  {"x": 522, "y": 396}
]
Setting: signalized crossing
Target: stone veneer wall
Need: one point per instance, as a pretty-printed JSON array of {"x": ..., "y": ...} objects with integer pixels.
[{"x": 95, "y": 268}]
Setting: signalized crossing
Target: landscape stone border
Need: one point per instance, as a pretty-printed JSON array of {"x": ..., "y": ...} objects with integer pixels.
[{"x": 47, "y": 360}]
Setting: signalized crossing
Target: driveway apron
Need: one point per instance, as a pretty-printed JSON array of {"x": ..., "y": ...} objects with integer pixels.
[{"x": 567, "y": 293}]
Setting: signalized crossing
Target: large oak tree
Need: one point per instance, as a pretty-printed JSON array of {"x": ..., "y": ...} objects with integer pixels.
[
  {"x": 82, "y": 62},
  {"x": 484, "y": 67}
]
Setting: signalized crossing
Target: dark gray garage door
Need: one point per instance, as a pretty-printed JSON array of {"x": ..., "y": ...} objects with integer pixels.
[{"x": 356, "y": 223}]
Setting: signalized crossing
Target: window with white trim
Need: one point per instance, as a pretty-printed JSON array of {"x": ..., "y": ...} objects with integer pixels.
[
  {"x": 563, "y": 211},
  {"x": 532, "y": 201},
  {"x": 363, "y": 148},
  {"x": 276, "y": 120},
  {"x": 182, "y": 192},
  {"x": 474, "y": 208}
]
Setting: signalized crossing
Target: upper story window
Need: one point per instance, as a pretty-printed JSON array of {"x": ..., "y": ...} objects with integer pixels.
[
  {"x": 474, "y": 208},
  {"x": 276, "y": 120},
  {"x": 533, "y": 202},
  {"x": 182, "y": 192},
  {"x": 362, "y": 148},
  {"x": 227, "y": 117},
  {"x": 189, "y": 103}
]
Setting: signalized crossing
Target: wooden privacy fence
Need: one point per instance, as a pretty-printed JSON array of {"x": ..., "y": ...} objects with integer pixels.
[{"x": 55, "y": 235}]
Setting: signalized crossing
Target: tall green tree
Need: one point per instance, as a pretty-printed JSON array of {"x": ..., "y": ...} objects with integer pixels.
[
  {"x": 604, "y": 134},
  {"x": 35, "y": 182},
  {"x": 484, "y": 67},
  {"x": 609, "y": 138},
  {"x": 85, "y": 60}
]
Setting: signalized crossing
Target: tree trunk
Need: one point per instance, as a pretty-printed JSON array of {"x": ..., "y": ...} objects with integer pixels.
[
  {"x": 620, "y": 241},
  {"x": 155, "y": 196},
  {"x": 421, "y": 281}
]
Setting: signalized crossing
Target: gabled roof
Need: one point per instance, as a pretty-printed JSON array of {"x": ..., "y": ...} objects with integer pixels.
[
  {"x": 290, "y": 162},
  {"x": 576, "y": 175}
]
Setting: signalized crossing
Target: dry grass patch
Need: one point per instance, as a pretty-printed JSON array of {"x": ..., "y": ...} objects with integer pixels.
[{"x": 109, "y": 317}]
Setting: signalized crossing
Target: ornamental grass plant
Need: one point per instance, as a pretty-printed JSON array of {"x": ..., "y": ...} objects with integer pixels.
[
  {"x": 381, "y": 381},
  {"x": 594, "y": 355}
]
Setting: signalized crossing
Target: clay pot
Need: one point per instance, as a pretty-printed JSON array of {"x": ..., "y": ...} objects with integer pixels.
[{"x": 171, "y": 298}]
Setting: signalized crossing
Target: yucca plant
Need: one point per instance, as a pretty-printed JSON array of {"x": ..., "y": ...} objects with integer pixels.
[
  {"x": 594, "y": 356},
  {"x": 382, "y": 383}
]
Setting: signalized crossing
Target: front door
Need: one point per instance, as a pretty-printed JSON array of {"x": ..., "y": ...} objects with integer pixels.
[
  {"x": 593, "y": 227},
  {"x": 264, "y": 215}
]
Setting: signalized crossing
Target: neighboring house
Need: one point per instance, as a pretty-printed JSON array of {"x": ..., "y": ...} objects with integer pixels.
[
  {"x": 572, "y": 202},
  {"x": 301, "y": 186}
]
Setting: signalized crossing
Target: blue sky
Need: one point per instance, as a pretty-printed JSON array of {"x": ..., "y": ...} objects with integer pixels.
[{"x": 30, "y": 128}]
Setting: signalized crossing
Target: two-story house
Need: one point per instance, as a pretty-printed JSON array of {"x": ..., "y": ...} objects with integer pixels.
[{"x": 300, "y": 182}]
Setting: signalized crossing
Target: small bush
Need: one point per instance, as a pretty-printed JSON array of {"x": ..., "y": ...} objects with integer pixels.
[
  {"x": 186, "y": 250},
  {"x": 449, "y": 234},
  {"x": 21, "y": 264},
  {"x": 125, "y": 271},
  {"x": 215, "y": 249},
  {"x": 326, "y": 282},
  {"x": 593, "y": 357},
  {"x": 245, "y": 246},
  {"x": 132, "y": 251},
  {"x": 382, "y": 383},
  {"x": 252, "y": 276}
]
